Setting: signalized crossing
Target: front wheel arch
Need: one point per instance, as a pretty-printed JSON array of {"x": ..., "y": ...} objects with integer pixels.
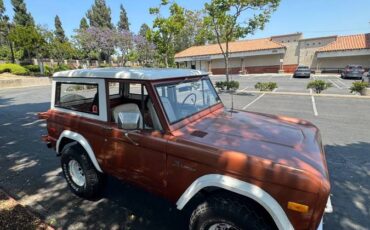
[{"x": 241, "y": 188}]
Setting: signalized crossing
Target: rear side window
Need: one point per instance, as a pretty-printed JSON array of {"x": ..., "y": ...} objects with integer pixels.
[{"x": 81, "y": 97}]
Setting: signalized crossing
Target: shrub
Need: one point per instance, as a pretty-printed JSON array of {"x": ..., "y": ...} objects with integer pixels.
[
  {"x": 319, "y": 85},
  {"x": 266, "y": 86},
  {"x": 230, "y": 85},
  {"x": 61, "y": 67},
  {"x": 102, "y": 65},
  {"x": 220, "y": 85},
  {"x": 358, "y": 87},
  {"x": 33, "y": 68},
  {"x": 13, "y": 68}
]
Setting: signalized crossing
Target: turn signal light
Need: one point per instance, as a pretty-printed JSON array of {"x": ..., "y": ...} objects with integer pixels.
[{"x": 297, "y": 207}]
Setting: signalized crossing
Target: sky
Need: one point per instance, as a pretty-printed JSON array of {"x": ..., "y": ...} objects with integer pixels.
[{"x": 313, "y": 18}]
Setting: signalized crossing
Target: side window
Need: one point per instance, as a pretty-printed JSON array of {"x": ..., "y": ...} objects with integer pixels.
[
  {"x": 114, "y": 89},
  {"x": 136, "y": 89},
  {"x": 81, "y": 97}
]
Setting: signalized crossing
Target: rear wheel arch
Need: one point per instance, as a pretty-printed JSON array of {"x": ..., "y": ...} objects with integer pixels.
[
  {"x": 213, "y": 184},
  {"x": 68, "y": 138}
]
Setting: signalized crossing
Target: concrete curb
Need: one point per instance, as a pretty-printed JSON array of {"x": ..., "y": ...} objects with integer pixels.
[
  {"x": 22, "y": 82},
  {"x": 303, "y": 94}
]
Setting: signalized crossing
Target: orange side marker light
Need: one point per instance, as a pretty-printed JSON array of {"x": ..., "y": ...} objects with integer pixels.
[{"x": 297, "y": 207}]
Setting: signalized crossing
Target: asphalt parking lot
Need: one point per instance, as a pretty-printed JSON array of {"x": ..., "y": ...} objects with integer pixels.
[{"x": 31, "y": 172}]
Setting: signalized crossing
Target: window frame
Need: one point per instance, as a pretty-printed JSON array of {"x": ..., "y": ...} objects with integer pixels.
[
  {"x": 191, "y": 115},
  {"x": 102, "y": 116},
  {"x": 73, "y": 83}
]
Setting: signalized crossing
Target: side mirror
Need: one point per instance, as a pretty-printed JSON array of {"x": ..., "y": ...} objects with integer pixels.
[{"x": 129, "y": 120}]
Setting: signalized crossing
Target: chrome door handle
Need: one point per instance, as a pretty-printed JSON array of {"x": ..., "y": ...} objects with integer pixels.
[{"x": 132, "y": 141}]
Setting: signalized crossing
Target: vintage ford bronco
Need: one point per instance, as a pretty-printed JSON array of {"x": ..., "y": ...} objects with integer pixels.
[{"x": 167, "y": 131}]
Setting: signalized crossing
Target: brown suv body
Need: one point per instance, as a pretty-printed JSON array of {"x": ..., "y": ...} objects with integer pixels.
[{"x": 280, "y": 156}]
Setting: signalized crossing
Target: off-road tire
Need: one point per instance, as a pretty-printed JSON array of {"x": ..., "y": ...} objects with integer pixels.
[
  {"x": 229, "y": 210},
  {"x": 94, "y": 180}
]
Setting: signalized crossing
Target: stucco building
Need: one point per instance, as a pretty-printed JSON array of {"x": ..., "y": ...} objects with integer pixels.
[{"x": 280, "y": 53}]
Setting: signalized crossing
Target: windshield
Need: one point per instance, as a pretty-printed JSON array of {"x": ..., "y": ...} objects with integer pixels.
[{"x": 183, "y": 99}]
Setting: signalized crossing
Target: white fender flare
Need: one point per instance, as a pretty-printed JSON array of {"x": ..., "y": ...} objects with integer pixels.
[
  {"x": 83, "y": 142},
  {"x": 240, "y": 187}
]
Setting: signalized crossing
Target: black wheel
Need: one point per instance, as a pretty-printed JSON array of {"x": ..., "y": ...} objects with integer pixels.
[
  {"x": 230, "y": 213},
  {"x": 80, "y": 173}
]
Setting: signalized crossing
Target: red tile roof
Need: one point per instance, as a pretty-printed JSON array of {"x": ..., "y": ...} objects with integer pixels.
[
  {"x": 234, "y": 47},
  {"x": 350, "y": 42}
]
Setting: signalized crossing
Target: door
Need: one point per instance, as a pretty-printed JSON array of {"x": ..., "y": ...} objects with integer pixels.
[{"x": 138, "y": 157}]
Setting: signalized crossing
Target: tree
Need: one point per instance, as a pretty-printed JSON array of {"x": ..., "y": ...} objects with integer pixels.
[
  {"x": 27, "y": 38},
  {"x": 224, "y": 18},
  {"x": 165, "y": 29},
  {"x": 96, "y": 39},
  {"x": 190, "y": 34},
  {"x": 145, "y": 49},
  {"x": 123, "y": 23},
  {"x": 83, "y": 24},
  {"x": 5, "y": 26},
  {"x": 144, "y": 29},
  {"x": 21, "y": 16},
  {"x": 100, "y": 15},
  {"x": 124, "y": 44},
  {"x": 59, "y": 31}
]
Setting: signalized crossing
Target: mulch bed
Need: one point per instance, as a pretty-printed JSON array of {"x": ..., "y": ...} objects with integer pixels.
[{"x": 15, "y": 216}]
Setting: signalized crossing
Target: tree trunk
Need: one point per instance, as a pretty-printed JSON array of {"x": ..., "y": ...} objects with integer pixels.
[
  {"x": 227, "y": 67},
  {"x": 11, "y": 51},
  {"x": 166, "y": 60},
  {"x": 227, "y": 62}
]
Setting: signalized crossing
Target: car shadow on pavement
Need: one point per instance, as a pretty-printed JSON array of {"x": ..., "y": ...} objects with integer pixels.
[
  {"x": 31, "y": 173},
  {"x": 349, "y": 169}
]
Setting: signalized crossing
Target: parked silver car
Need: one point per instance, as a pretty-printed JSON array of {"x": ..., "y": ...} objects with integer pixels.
[{"x": 353, "y": 71}]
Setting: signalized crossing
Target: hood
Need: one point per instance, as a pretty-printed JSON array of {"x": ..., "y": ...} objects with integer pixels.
[{"x": 287, "y": 141}]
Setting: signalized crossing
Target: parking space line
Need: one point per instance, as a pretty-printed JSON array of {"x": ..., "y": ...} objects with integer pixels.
[
  {"x": 244, "y": 89},
  {"x": 341, "y": 82},
  {"x": 313, "y": 104},
  {"x": 335, "y": 84},
  {"x": 251, "y": 103}
]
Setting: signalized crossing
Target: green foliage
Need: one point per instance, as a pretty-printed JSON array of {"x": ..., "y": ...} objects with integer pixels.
[
  {"x": 26, "y": 38},
  {"x": 59, "y": 31},
  {"x": 123, "y": 23},
  {"x": 191, "y": 33},
  {"x": 165, "y": 29},
  {"x": 21, "y": 16},
  {"x": 61, "y": 67},
  {"x": 225, "y": 19},
  {"x": 319, "y": 85},
  {"x": 229, "y": 85},
  {"x": 32, "y": 68},
  {"x": 358, "y": 87},
  {"x": 144, "y": 29},
  {"x": 100, "y": 15},
  {"x": 83, "y": 24},
  {"x": 102, "y": 65},
  {"x": 266, "y": 86},
  {"x": 13, "y": 68},
  {"x": 5, "y": 53}
]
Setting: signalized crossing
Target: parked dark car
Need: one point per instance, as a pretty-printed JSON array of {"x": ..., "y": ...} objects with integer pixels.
[
  {"x": 353, "y": 71},
  {"x": 302, "y": 71}
]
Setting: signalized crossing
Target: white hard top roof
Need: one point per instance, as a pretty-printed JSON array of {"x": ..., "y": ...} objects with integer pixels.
[{"x": 131, "y": 73}]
